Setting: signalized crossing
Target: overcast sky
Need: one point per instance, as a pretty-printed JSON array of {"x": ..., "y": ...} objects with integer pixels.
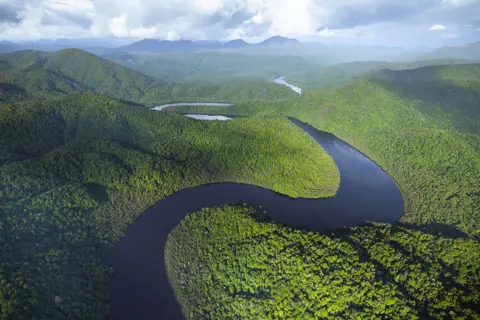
[{"x": 382, "y": 22}]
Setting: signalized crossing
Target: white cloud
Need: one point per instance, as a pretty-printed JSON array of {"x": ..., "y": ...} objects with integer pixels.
[
  {"x": 229, "y": 19},
  {"x": 118, "y": 26},
  {"x": 172, "y": 35},
  {"x": 143, "y": 32},
  {"x": 437, "y": 27}
]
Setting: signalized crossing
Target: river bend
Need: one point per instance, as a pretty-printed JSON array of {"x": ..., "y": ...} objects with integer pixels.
[{"x": 140, "y": 289}]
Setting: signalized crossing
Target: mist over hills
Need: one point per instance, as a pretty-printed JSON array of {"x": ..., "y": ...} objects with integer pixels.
[
  {"x": 41, "y": 75},
  {"x": 165, "y": 46},
  {"x": 336, "y": 75},
  {"x": 317, "y": 52},
  {"x": 469, "y": 51},
  {"x": 213, "y": 65}
]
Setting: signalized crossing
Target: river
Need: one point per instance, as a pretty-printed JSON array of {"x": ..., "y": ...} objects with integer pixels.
[
  {"x": 140, "y": 289},
  {"x": 281, "y": 80}
]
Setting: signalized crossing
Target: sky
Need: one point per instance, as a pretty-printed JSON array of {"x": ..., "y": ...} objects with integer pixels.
[{"x": 379, "y": 22}]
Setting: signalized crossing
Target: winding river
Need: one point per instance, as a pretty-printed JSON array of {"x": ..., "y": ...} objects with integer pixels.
[
  {"x": 281, "y": 80},
  {"x": 140, "y": 289}
]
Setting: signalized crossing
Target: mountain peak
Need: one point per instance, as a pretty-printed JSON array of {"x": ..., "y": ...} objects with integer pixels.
[
  {"x": 236, "y": 43},
  {"x": 278, "y": 40}
]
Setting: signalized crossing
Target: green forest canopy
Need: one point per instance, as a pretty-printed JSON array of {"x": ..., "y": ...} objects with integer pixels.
[
  {"x": 226, "y": 263},
  {"x": 76, "y": 171},
  {"x": 422, "y": 127},
  {"x": 38, "y": 75},
  {"x": 214, "y": 66}
]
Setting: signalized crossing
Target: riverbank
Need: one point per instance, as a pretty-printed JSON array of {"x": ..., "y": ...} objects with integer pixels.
[{"x": 365, "y": 193}]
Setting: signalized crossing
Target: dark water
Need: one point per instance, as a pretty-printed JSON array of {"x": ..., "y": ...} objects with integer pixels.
[{"x": 140, "y": 289}]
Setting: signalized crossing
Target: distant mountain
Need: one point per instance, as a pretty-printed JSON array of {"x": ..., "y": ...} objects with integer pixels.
[
  {"x": 278, "y": 40},
  {"x": 470, "y": 51},
  {"x": 168, "y": 46},
  {"x": 237, "y": 43},
  {"x": 7, "y": 46},
  {"x": 161, "y": 46}
]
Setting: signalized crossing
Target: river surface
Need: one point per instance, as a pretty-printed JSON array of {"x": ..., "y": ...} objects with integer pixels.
[
  {"x": 140, "y": 289},
  {"x": 207, "y": 117},
  {"x": 194, "y": 104},
  {"x": 281, "y": 80}
]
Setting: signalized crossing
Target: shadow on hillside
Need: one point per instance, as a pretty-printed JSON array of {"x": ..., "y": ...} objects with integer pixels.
[
  {"x": 97, "y": 191},
  {"x": 436, "y": 229},
  {"x": 424, "y": 85},
  {"x": 10, "y": 89}
]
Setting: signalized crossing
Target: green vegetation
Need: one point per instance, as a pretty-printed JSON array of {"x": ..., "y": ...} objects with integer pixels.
[
  {"x": 76, "y": 171},
  {"x": 421, "y": 126},
  {"x": 337, "y": 75},
  {"x": 406, "y": 122},
  {"x": 213, "y": 66},
  {"x": 39, "y": 75},
  {"x": 224, "y": 263}
]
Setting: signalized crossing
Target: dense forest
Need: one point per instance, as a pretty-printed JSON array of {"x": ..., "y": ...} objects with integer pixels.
[
  {"x": 39, "y": 75},
  {"x": 230, "y": 263},
  {"x": 421, "y": 126},
  {"x": 213, "y": 66},
  {"x": 334, "y": 76},
  {"x": 76, "y": 171}
]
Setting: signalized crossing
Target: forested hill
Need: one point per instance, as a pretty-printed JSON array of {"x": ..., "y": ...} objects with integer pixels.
[
  {"x": 76, "y": 171},
  {"x": 337, "y": 75},
  {"x": 39, "y": 75},
  {"x": 421, "y": 126},
  {"x": 214, "y": 66},
  {"x": 448, "y": 94}
]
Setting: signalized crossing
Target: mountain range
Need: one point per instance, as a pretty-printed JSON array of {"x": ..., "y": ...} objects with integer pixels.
[
  {"x": 166, "y": 46},
  {"x": 469, "y": 51}
]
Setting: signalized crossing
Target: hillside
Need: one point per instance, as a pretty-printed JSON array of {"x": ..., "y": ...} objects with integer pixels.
[
  {"x": 213, "y": 66},
  {"x": 372, "y": 271},
  {"x": 427, "y": 141},
  {"x": 39, "y": 75},
  {"x": 337, "y": 75},
  {"x": 448, "y": 95},
  {"x": 470, "y": 51},
  {"x": 76, "y": 171},
  {"x": 421, "y": 126}
]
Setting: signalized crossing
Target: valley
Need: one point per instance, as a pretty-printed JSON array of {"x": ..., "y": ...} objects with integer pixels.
[{"x": 326, "y": 190}]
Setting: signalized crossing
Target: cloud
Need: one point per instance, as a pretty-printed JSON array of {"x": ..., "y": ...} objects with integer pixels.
[
  {"x": 9, "y": 12},
  {"x": 437, "y": 27},
  {"x": 383, "y": 20}
]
